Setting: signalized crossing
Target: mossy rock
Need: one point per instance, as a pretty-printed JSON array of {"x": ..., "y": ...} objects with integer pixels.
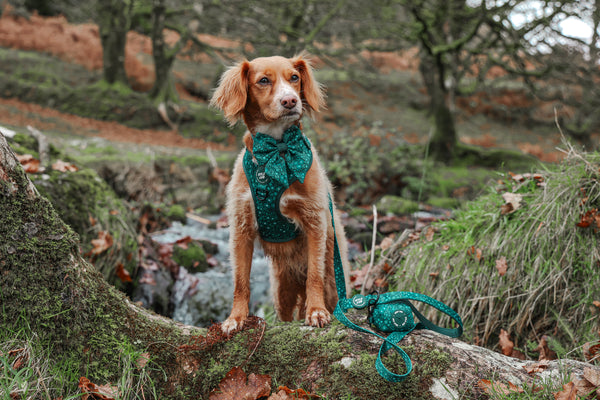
[
  {"x": 390, "y": 204},
  {"x": 86, "y": 203},
  {"x": 177, "y": 213},
  {"x": 192, "y": 257}
]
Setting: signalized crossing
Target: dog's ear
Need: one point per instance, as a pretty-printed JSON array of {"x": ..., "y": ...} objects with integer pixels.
[
  {"x": 313, "y": 93},
  {"x": 231, "y": 94}
]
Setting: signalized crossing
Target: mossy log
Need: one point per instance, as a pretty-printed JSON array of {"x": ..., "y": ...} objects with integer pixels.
[{"x": 49, "y": 291}]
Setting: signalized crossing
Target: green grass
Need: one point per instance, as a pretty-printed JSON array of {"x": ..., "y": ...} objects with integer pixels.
[
  {"x": 552, "y": 276},
  {"x": 27, "y": 373}
]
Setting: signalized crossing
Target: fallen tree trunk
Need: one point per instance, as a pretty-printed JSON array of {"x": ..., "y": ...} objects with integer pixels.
[{"x": 48, "y": 291}]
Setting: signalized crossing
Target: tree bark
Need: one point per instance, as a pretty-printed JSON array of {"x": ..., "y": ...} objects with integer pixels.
[
  {"x": 113, "y": 23},
  {"x": 49, "y": 292},
  {"x": 164, "y": 86}
]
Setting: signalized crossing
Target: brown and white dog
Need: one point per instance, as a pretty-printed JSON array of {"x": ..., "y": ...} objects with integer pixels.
[{"x": 271, "y": 94}]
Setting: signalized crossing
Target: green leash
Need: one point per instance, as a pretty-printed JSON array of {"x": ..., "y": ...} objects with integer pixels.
[{"x": 390, "y": 312}]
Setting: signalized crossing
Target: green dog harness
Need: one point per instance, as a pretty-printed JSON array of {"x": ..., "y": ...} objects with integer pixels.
[
  {"x": 391, "y": 313},
  {"x": 271, "y": 167}
]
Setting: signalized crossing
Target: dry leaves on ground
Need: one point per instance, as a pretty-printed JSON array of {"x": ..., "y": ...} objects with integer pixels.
[
  {"x": 102, "y": 243},
  {"x": 92, "y": 391},
  {"x": 507, "y": 346},
  {"x": 235, "y": 386}
]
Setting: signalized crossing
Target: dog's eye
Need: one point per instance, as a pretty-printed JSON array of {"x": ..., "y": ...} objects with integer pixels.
[
  {"x": 294, "y": 78},
  {"x": 264, "y": 81}
]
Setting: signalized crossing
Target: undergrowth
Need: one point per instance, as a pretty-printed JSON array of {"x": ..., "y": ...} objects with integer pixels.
[
  {"x": 552, "y": 275},
  {"x": 27, "y": 373}
]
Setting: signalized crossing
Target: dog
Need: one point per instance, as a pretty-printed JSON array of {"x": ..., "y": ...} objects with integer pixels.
[{"x": 270, "y": 95}]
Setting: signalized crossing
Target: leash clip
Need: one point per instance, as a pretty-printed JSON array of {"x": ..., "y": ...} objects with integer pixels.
[{"x": 371, "y": 306}]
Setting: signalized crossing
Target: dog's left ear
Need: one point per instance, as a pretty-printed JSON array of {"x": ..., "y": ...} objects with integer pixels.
[{"x": 313, "y": 93}]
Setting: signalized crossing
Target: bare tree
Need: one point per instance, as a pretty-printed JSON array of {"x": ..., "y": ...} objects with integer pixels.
[{"x": 114, "y": 21}]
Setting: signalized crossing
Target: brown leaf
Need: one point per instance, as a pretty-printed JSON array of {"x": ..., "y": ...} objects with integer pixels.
[
  {"x": 429, "y": 234},
  {"x": 143, "y": 360},
  {"x": 386, "y": 243},
  {"x": 490, "y": 387},
  {"x": 544, "y": 350},
  {"x": 516, "y": 177},
  {"x": 569, "y": 392},
  {"x": 235, "y": 387},
  {"x": 534, "y": 368},
  {"x": 293, "y": 394},
  {"x": 505, "y": 343},
  {"x": 62, "y": 166},
  {"x": 592, "y": 376},
  {"x": 30, "y": 164},
  {"x": 122, "y": 273},
  {"x": 501, "y": 266},
  {"x": 583, "y": 387},
  {"x": 591, "y": 217},
  {"x": 596, "y": 303},
  {"x": 91, "y": 391},
  {"x": 513, "y": 202},
  {"x": 103, "y": 243},
  {"x": 591, "y": 351}
]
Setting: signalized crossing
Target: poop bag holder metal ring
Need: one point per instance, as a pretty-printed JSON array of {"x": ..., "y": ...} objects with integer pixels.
[{"x": 391, "y": 313}]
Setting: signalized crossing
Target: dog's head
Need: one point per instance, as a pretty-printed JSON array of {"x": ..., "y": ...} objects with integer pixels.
[{"x": 269, "y": 93}]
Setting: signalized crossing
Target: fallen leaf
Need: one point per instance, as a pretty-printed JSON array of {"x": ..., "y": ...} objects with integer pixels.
[
  {"x": 285, "y": 393},
  {"x": 584, "y": 387},
  {"x": 591, "y": 351},
  {"x": 569, "y": 392},
  {"x": 491, "y": 388},
  {"x": 537, "y": 367},
  {"x": 544, "y": 350},
  {"x": 429, "y": 234},
  {"x": 143, "y": 360},
  {"x": 591, "y": 217},
  {"x": 235, "y": 387},
  {"x": 477, "y": 253},
  {"x": 103, "y": 243},
  {"x": 501, "y": 266},
  {"x": 386, "y": 243},
  {"x": 516, "y": 177},
  {"x": 122, "y": 273},
  {"x": 506, "y": 345},
  {"x": 592, "y": 376},
  {"x": 91, "y": 391},
  {"x": 596, "y": 303},
  {"x": 513, "y": 203},
  {"x": 30, "y": 164},
  {"x": 62, "y": 166}
]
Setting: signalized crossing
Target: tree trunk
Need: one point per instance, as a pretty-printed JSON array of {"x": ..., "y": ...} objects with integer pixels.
[
  {"x": 443, "y": 142},
  {"x": 48, "y": 292},
  {"x": 163, "y": 90},
  {"x": 113, "y": 22}
]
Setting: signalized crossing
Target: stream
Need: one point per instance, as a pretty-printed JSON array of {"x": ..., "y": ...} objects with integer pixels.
[{"x": 202, "y": 298}]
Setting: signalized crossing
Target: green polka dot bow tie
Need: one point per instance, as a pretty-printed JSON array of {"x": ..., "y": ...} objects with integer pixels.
[{"x": 283, "y": 160}]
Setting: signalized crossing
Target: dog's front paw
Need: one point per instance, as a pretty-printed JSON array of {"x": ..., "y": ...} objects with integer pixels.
[
  {"x": 231, "y": 324},
  {"x": 318, "y": 317}
]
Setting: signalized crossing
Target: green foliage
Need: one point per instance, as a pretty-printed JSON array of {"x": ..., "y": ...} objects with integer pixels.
[{"x": 364, "y": 172}]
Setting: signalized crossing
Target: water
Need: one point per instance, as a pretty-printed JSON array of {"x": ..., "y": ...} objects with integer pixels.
[{"x": 201, "y": 298}]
